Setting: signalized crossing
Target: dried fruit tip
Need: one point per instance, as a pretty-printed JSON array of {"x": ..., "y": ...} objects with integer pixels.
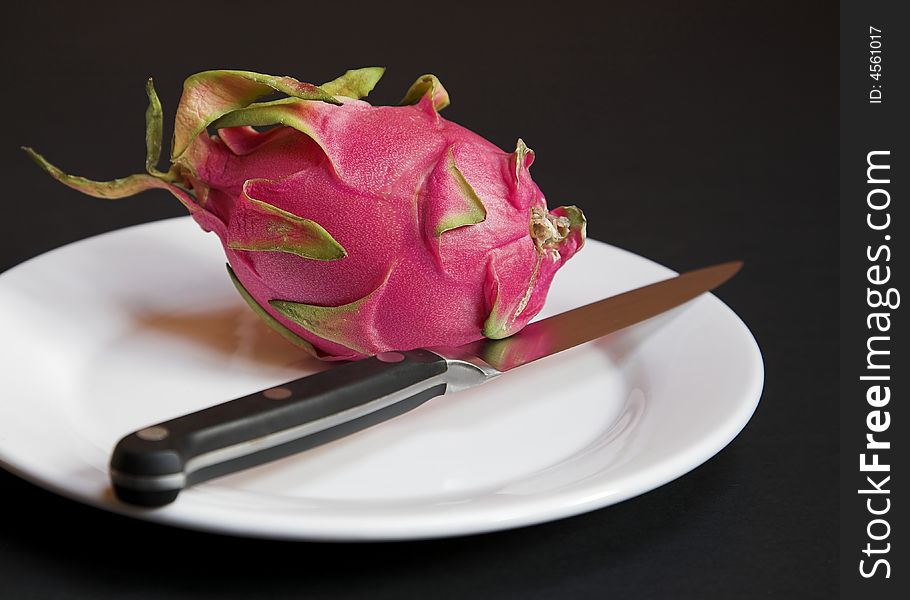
[{"x": 548, "y": 230}]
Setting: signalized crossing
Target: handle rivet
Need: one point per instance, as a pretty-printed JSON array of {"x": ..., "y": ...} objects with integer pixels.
[
  {"x": 277, "y": 393},
  {"x": 390, "y": 357},
  {"x": 153, "y": 434}
]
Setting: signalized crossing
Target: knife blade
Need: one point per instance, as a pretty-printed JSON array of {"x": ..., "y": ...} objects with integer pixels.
[{"x": 151, "y": 466}]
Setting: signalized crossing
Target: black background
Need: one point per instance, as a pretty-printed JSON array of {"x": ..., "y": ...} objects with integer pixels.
[{"x": 690, "y": 133}]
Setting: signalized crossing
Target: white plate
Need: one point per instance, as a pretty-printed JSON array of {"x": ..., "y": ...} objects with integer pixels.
[{"x": 110, "y": 334}]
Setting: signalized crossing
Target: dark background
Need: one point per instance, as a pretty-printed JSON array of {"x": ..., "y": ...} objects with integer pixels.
[{"x": 690, "y": 133}]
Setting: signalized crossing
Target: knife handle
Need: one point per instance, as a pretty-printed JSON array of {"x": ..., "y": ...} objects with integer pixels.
[{"x": 151, "y": 466}]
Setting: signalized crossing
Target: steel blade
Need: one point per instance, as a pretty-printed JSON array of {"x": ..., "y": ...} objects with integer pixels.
[{"x": 571, "y": 328}]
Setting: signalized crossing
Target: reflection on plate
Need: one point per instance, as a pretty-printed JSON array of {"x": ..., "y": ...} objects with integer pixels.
[{"x": 116, "y": 332}]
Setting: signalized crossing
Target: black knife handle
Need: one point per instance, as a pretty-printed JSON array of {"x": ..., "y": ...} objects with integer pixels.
[{"x": 151, "y": 466}]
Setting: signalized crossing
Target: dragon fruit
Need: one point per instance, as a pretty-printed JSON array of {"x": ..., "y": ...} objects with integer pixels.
[{"x": 354, "y": 229}]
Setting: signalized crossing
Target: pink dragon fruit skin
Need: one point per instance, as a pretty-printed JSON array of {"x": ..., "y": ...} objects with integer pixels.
[{"x": 355, "y": 229}]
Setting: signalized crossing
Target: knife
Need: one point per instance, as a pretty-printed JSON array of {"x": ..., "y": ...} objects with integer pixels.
[{"x": 151, "y": 466}]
